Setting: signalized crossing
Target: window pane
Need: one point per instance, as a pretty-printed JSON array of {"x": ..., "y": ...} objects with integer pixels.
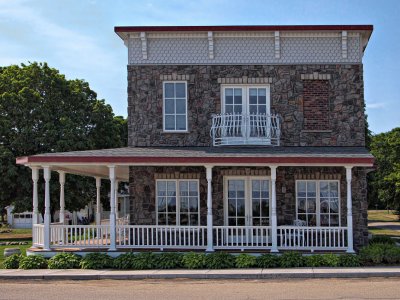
[
  {"x": 311, "y": 189},
  {"x": 184, "y": 204},
  {"x": 265, "y": 208},
  {"x": 171, "y": 187},
  {"x": 256, "y": 208},
  {"x": 240, "y": 207},
  {"x": 194, "y": 220},
  {"x": 184, "y": 219},
  {"x": 311, "y": 205},
  {"x": 161, "y": 204},
  {"x": 324, "y": 206},
  {"x": 301, "y": 188},
  {"x": 180, "y": 90},
  {"x": 237, "y": 109},
  {"x": 334, "y": 205},
  {"x": 181, "y": 122},
  {"x": 161, "y": 188},
  {"x": 262, "y": 109},
  {"x": 171, "y": 204},
  {"x": 324, "y": 220},
  {"x": 253, "y": 109},
  {"x": 231, "y": 207},
  {"x": 171, "y": 219},
  {"x": 229, "y": 109},
  {"x": 241, "y": 222},
  {"x": 162, "y": 219},
  {"x": 334, "y": 189},
  {"x": 334, "y": 220},
  {"x": 169, "y": 90},
  {"x": 193, "y": 188},
  {"x": 169, "y": 106},
  {"x": 170, "y": 122},
  {"x": 324, "y": 189},
  {"x": 301, "y": 206},
  {"x": 193, "y": 204},
  {"x": 180, "y": 106}
]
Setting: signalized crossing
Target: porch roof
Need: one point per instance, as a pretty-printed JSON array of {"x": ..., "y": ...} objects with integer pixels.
[{"x": 95, "y": 162}]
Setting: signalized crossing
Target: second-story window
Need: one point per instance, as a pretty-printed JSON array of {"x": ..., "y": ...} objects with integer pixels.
[{"x": 175, "y": 106}]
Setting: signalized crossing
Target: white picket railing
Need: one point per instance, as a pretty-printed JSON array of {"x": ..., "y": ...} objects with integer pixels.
[
  {"x": 79, "y": 236},
  {"x": 312, "y": 238},
  {"x": 153, "y": 236},
  {"x": 38, "y": 235},
  {"x": 242, "y": 237},
  {"x": 246, "y": 129}
]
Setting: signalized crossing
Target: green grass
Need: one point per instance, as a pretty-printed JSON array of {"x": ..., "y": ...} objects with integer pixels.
[
  {"x": 380, "y": 231},
  {"x": 22, "y": 247},
  {"x": 16, "y": 234},
  {"x": 382, "y": 216}
]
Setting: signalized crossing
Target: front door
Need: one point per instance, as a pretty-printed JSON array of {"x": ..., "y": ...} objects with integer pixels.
[{"x": 247, "y": 201}]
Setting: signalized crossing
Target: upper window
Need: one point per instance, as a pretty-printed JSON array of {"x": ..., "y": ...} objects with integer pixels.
[
  {"x": 318, "y": 202},
  {"x": 178, "y": 202},
  {"x": 246, "y": 99},
  {"x": 175, "y": 106}
]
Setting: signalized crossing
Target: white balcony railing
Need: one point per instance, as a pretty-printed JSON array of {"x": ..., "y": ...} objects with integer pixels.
[{"x": 246, "y": 129}]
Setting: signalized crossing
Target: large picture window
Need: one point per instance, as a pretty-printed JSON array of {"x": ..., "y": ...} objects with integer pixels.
[
  {"x": 178, "y": 202},
  {"x": 318, "y": 202},
  {"x": 175, "y": 106}
]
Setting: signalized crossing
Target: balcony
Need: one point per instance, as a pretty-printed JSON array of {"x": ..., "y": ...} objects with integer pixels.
[{"x": 246, "y": 129}]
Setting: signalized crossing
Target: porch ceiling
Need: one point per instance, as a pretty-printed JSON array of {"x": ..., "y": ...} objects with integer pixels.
[{"x": 96, "y": 162}]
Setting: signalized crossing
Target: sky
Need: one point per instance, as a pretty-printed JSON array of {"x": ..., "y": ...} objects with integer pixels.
[{"x": 77, "y": 37}]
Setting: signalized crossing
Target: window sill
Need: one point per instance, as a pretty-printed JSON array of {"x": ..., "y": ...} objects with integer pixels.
[{"x": 175, "y": 131}]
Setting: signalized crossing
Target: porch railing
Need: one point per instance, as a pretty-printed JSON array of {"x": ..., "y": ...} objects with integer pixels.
[
  {"x": 246, "y": 129},
  {"x": 192, "y": 237},
  {"x": 312, "y": 238},
  {"x": 242, "y": 237},
  {"x": 153, "y": 236}
]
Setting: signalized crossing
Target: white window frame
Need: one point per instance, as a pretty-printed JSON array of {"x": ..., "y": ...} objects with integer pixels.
[
  {"x": 186, "y": 103},
  {"x": 178, "y": 200},
  {"x": 247, "y": 180},
  {"x": 318, "y": 200},
  {"x": 245, "y": 95}
]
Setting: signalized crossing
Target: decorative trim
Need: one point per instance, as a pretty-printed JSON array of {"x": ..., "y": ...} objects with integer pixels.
[
  {"x": 144, "y": 44},
  {"x": 344, "y": 44},
  {"x": 176, "y": 175},
  {"x": 277, "y": 45},
  {"x": 293, "y": 34},
  {"x": 246, "y": 34},
  {"x": 317, "y": 176},
  {"x": 245, "y": 80},
  {"x": 246, "y": 172},
  {"x": 210, "y": 45},
  {"x": 315, "y": 76},
  {"x": 174, "y": 76},
  {"x": 176, "y": 35}
]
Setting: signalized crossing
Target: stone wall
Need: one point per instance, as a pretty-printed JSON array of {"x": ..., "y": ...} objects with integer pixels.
[
  {"x": 345, "y": 108},
  {"x": 142, "y": 192}
]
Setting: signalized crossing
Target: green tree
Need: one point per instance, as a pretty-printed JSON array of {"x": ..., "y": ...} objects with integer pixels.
[
  {"x": 41, "y": 111},
  {"x": 384, "y": 182}
]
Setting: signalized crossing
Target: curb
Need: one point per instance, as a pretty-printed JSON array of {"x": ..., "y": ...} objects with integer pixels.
[{"x": 300, "y": 273}]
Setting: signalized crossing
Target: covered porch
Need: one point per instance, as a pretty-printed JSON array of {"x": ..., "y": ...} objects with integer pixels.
[{"x": 115, "y": 165}]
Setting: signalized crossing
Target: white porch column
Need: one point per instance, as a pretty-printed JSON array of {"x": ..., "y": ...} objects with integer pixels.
[
  {"x": 116, "y": 199},
  {"x": 112, "y": 209},
  {"x": 62, "y": 199},
  {"x": 274, "y": 222},
  {"x": 210, "y": 243},
  {"x": 98, "y": 205},
  {"x": 47, "y": 216},
  {"x": 35, "y": 211},
  {"x": 350, "y": 248}
]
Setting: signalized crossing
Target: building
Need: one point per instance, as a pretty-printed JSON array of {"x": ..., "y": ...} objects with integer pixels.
[{"x": 241, "y": 138}]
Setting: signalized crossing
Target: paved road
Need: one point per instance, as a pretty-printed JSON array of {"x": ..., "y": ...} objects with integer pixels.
[
  {"x": 385, "y": 225},
  {"x": 371, "y": 288}
]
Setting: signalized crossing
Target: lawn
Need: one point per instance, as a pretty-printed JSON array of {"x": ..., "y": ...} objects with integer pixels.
[
  {"x": 16, "y": 234},
  {"x": 382, "y": 216},
  {"x": 22, "y": 247}
]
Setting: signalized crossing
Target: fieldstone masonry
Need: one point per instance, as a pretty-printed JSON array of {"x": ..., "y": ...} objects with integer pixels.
[{"x": 345, "y": 104}]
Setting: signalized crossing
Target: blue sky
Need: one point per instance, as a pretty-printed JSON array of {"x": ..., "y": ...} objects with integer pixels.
[{"x": 77, "y": 37}]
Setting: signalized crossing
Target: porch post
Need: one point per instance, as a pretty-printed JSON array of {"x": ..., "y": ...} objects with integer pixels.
[
  {"x": 47, "y": 216},
  {"x": 112, "y": 209},
  {"x": 274, "y": 222},
  {"x": 210, "y": 243},
  {"x": 62, "y": 199},
  {"x": 98, "y": 205},
  {"x": 350, "y": 248},
  {"x": 116, "y": 199},
  {"x": 35, "y": 178}
]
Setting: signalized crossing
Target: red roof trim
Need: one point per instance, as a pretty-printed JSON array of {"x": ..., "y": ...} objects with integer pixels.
[
  {"x": 243, "y": 28},
  {"x": 205, "y": 160}
]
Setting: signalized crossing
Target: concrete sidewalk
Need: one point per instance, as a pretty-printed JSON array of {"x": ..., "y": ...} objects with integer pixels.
[{"x": 201, "y": 274}]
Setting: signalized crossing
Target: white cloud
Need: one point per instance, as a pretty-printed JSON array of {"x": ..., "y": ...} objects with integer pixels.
[{"x": 376, "y": 105}]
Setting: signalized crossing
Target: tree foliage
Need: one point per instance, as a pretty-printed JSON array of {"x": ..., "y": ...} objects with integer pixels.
[
  {"x": 41, "y": 111},
  {"x": 384, "y": 182}
]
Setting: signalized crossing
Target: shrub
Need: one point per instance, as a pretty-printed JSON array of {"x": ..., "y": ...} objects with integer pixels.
[
  {"x": 349, "y": 260},
  {"x": 169, "y": 261},
  {"x": 144, "y": 260},
  {"x": 32, "y": 262},
  {"x": 245, "y": 261},
  {"x": 391, "y": 255},
  {"x": 381, "y": 239},
  {"x": 96, "y": 261},
  {"x": 372, "y": 254},
  {"x": 12, "y": 262},
  {"x": 291, "y": 260},
  {"x": 194, "y": 260},
  {"x": 267, "y": 261},
  {"x": 330, "y": 260},
  {"x": 220, "y": 260},
  {"x": 124, "y": 261},
  {"x": 64, "y": 261},
  {"x": 316, "y": 260}
]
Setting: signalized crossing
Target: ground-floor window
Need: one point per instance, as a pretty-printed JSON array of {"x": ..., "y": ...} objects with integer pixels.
[
  {"x": 178, "y": 202},
  {"x": 318, "y": 202}
]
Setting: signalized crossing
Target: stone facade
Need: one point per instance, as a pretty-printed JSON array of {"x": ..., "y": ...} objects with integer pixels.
[
  {"x": 142, "y": 191},
  {"x": 345, "y": 103}
]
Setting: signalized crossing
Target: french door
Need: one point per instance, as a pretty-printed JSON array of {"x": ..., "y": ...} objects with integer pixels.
[{"x": 247, "y": 201}]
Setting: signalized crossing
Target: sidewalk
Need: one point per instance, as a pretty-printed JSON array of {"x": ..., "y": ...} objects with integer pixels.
[{"x": 201, "y": 274}]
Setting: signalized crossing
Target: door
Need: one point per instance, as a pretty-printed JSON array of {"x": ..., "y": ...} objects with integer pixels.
[{"x": 247, "y": 201}]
